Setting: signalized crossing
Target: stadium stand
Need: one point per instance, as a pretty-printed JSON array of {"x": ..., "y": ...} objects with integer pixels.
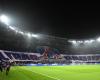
[
  {"x": 89, "y": 58},
  {"x": 18, "y": 56},
  {"x": 22, "y": 57}
]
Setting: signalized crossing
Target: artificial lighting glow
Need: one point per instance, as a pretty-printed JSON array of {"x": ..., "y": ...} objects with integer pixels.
[
  {"x": 98, "y": 39},
  {"x": 92, "y": 41},
  {"x": 12, "y": 28},
  {"x": 80, "y": 41},
  {"x": 4, "y": 19},
  {"x": 34, "y": 35},
  {"x": 89, "y": 41},
  {"x": 74, "y": 42},
  {"x": 86, "y": 41},
  {"x": 29, "y": 35},
  {"x": 21, "y": 32}
]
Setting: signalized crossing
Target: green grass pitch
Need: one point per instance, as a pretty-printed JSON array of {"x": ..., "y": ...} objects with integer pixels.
[{"x": 75, "y": 72}]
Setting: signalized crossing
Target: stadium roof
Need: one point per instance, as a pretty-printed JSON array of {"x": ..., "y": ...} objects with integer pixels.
[{"x": 72, "y": 21}]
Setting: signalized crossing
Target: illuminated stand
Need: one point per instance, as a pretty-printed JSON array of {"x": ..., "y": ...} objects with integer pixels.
[
  {"x": 83, "y": 46},
  {"x": 83, "y": 59}
]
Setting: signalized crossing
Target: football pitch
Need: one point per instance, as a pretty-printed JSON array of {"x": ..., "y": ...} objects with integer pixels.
[{"x": 71, "y": 72}]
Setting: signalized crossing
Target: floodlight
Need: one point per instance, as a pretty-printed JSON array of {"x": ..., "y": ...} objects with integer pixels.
[
  {"x": 34, "y": 35},
  {"x": 4, "y": 19},
  {"x": 21, "y": 32},
  {"x": 98, "y": 39},
  {"x": 91, "y": 41},
  {"x": 29, "y": 35},
  {"x": 74, "y": 42},
  {"x": 80, "y": 41},
  {"x": 12, "y": 28},
  {"x": 86, "y": 41}
]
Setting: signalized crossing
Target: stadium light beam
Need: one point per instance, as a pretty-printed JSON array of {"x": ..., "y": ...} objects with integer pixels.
[{"x": 4, "y": 19}]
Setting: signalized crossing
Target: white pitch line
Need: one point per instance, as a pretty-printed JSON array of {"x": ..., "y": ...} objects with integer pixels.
[{"x": 44, "y": 75}]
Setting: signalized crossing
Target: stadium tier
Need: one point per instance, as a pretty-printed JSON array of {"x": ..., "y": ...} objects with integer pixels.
[
  {"x": 44, "y": 58},
  {"x": 90, "y": 58},
  {"x": 18, "y": 56}
]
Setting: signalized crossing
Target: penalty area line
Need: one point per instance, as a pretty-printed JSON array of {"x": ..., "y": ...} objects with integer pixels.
[{"x": 43, "y": 74}]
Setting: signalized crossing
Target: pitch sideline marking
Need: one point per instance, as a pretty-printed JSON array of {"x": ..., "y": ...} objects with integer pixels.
[{"x": 43, "y": 74}]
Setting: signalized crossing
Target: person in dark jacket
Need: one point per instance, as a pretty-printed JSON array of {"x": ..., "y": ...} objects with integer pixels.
[
  {"x": 8, "y": 66},
  {"x": 1, "y": 68},
  {"x": 5, "y": 65}
]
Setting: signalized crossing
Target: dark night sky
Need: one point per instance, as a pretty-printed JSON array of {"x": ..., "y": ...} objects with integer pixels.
[{"x": 72, "y": 21}]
